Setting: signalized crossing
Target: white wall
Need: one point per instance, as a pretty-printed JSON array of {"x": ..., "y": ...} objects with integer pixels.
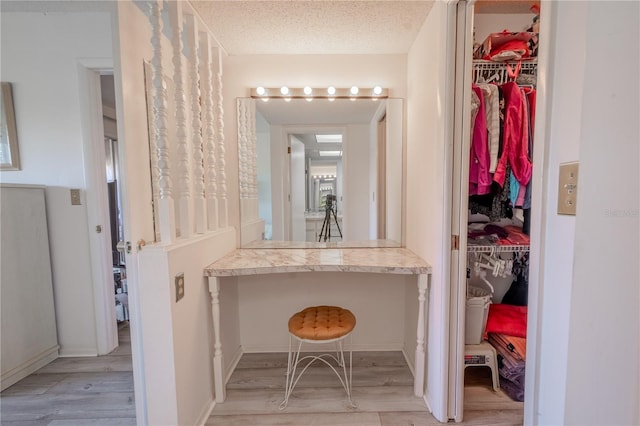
[
  {"x": 176, "y": 351},
  {"x": 355, "y": 189},
  {"x": 395, "y": 151},
  {"x": 585, "y": 289},
  {"x": 177, "y": 333},
  {"x": 558, "y": 140},
  {"x": 278, "y": 184},
  {"x": 263, "y": 146},
  {"x": 298, "y": 185},
  {"x": 40, "y": 54},
  {"x": 604, "y": 317},
  {"x": 377, "y": 301},
  {"x": 425, "y": 230},
  {"x": 487, "y": 23}
]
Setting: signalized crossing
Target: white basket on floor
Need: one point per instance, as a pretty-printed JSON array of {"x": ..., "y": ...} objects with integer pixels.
[{"x": 477, "y": 311}]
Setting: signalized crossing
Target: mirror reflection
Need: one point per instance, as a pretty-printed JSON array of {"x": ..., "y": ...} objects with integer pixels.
[{"x": 320, "y": 173}]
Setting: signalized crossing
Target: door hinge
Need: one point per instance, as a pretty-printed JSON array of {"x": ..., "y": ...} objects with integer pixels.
[
  {"x": 455, "y": 242},
  {"x": 288, "y": 150}
]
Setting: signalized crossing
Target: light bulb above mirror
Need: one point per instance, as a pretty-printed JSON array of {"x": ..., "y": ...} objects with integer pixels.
[{"x": 309, "y": 93}]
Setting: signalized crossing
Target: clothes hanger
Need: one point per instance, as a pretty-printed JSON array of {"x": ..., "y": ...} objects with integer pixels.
[{"x": 483, "y": 276}]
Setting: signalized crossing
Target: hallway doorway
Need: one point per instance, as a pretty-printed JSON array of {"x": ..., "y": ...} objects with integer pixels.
[{"x": 114, "y": 194}]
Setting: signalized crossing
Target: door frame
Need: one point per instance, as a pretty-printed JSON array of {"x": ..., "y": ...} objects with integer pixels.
[
  {"x": 294, "y": 195},
  {"x": 538, "y": 224},
  {"x": 89, "y": 71},
  {"x": 97, "y": 202}
]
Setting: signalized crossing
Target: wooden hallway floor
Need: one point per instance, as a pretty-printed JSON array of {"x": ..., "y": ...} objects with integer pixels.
[
  {"x": 81, "y": 391},
  {"x": 382, "y": 391},
  {"x": 92, "y": 391}
]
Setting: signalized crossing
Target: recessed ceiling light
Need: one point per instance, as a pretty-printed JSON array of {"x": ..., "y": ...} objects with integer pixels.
[
  {"x": 330, "y": 153},
  {"x": 329, "y": 138}
]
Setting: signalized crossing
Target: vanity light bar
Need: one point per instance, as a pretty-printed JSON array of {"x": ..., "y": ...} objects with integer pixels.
[{"x": 308, "y": 92}]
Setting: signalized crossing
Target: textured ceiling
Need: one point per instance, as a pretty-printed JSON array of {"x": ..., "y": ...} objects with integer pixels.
[
  {"x": 314, "y": 27},
  {"x": 250, "y": 27}
]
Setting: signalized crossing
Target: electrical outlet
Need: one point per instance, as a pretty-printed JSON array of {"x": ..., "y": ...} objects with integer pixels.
[
  {"x": 179, "y": 281},
  {"x": 75, "y": 197}
]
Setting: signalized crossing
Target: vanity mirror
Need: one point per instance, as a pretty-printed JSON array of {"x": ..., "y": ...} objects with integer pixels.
[{"x": 320, "y": 173}]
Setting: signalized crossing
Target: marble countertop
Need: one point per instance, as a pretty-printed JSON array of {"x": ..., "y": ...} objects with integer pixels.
[
  {"x": 319, "y": 215},
  {"x": 284, "y": 260},
  {"x": 263, "y": 244}
]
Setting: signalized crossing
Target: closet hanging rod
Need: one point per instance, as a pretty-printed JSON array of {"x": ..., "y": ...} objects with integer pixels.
[
  {"x": 498, "y": 249},
  {"x": 496, "y": 72},
  {"x": 525, "y": 64}
]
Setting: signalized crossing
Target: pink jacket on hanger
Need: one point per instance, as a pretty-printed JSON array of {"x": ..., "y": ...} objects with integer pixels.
[
  {"x": 515, "y": 137},
  {"x": 479, "y": 158}
]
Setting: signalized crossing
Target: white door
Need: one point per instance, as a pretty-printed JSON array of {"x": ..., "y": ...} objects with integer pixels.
[
  {"x": 459, "y": 203},
  {"x": 297, "y": 179}
]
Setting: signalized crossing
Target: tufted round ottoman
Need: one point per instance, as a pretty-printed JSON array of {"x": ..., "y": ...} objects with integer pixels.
[
  {"x": 317, "y": 325},
  {"x": 322, "y": 323}
]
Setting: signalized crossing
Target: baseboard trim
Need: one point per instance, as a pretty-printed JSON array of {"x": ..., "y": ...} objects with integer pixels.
[
  {"x": 409, "y": 362},
  {"x": 78, "y": 353},
  {"x": 356, "y": 347},
  {"x": 208, "y": 409},
  {"x": 426, "y": 402},
  {"x": 21, "y": 371},
  {"x": 233, "y": 364},
  {"x": 206, "y": 413}
]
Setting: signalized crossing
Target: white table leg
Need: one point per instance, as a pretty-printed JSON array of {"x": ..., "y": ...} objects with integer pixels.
[
  {"x": 218, "y": 372},
  {"x": 418, "y": 382}
]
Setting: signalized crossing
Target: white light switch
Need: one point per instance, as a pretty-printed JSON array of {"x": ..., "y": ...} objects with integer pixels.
[{"x": 568, "y": 188}]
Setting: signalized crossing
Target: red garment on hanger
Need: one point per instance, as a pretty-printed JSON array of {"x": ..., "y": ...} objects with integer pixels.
[
  {"x": 515, "y": 137},
  {"x": 531, "y": 96}
]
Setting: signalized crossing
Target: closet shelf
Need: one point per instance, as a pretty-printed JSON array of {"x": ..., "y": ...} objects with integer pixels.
[
  {"x": 498, "y": 248},
  {"x": 496, "y": 72}
]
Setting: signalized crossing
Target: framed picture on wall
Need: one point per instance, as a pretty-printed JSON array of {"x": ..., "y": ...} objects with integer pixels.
[{"x": 9, "y": 156}]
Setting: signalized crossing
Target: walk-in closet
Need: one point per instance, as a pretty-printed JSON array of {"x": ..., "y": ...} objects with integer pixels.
[{"x": 502, "y": 117}]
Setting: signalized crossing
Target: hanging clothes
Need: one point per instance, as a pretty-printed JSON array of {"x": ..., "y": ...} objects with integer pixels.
[
  {"x": 492, "y": 110},
  {"x": 515, "y": 137},
  {"x": 479, "y": 158},
  {"x": 502, "y": 124}
]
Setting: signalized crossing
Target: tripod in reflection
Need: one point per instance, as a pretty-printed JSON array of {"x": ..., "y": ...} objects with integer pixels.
[{"x": 329, "y": 210}]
